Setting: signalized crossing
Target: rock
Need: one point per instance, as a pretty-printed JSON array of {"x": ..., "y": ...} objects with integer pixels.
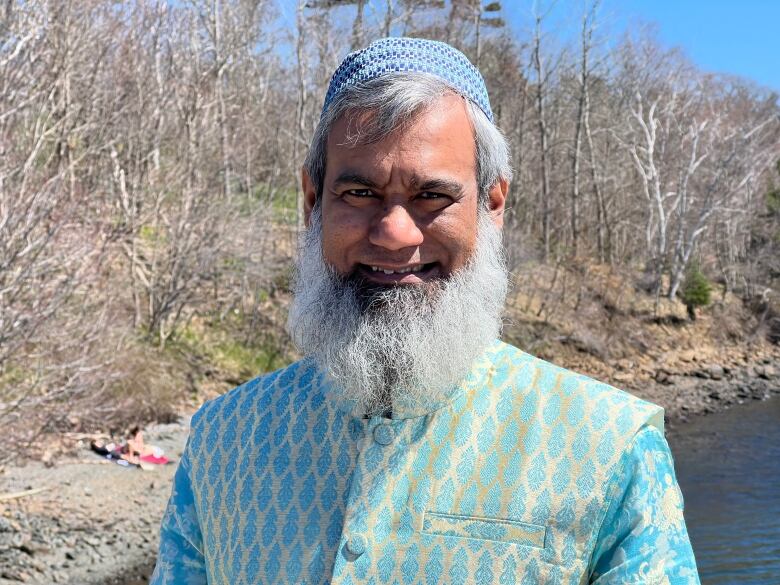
[
  {"x": 26, "y": 549},
  {"x": 15, "y": 540},
  {"x": 13, "y": 575},
  {"x": 92, "y": 541},
  {"x": 6, "y": 525},
  {"x": 688, "y": 356},
  {"x": 765, "y": 372},
  {"x": 47, "y": 458},
  {"x": 662, "y": 377},
  {"x": 712, "y": 371}
]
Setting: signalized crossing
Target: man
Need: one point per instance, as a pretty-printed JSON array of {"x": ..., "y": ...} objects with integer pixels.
[{"x": 410, "y": 446}]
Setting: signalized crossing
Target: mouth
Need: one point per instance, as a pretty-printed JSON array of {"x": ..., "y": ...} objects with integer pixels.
[{"x": 403, "y": 274}]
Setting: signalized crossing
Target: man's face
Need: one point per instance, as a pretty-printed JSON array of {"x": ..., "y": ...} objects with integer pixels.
[{"x": 403, "y": 210}]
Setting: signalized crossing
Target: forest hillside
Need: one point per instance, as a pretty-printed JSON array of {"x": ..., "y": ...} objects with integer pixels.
[{"x": 149, "y": 205}]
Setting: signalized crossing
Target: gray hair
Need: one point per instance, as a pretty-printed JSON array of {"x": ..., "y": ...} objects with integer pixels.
[{"x": 395, "y": 99}]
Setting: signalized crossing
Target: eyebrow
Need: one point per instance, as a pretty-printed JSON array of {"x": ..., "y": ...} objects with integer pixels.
[
  {"x": 447, "y": 185},
  {"x": 353, "y": 178}
]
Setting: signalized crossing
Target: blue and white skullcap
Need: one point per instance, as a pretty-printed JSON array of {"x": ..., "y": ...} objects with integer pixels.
[{"x": 399, "y": 54}]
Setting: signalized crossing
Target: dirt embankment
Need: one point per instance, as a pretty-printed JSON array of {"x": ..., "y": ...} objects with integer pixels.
[{"x": 597, "y": 320}]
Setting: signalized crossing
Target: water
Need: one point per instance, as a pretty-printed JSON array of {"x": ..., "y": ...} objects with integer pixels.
[{"x": 728, "y": 466}]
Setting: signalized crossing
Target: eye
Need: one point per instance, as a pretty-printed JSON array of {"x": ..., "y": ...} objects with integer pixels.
[
  {"x": 359, "y": 192},
  {"x": 434, "y": 200}
]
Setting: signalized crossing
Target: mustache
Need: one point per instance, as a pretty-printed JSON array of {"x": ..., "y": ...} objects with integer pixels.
[{"x": 372, "y": 295}]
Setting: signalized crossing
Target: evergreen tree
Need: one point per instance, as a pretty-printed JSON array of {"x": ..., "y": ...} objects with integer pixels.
[{"x": 695, "y": 290}]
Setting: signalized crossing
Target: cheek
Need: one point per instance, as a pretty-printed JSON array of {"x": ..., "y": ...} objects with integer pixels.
[
  {"x": 466, "y": 248},
  {"x": 458, "y": 233},
  {"x": 341, "y": 231},
  {"x": 457, "y": 237}
]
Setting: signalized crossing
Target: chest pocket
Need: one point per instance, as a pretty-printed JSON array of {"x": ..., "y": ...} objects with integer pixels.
[{"x": 494, "y": 529}]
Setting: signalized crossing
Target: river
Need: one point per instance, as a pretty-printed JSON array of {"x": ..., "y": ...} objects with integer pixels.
[{"x": 728, "y": 467}]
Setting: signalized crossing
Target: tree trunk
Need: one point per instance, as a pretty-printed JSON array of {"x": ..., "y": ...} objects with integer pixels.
[
  {"x": 543, "y": 135},
  {"x": 357, "y": 27}
]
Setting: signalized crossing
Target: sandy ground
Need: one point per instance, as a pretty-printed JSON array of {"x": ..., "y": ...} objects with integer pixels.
[{"x": 96, "y": 523}]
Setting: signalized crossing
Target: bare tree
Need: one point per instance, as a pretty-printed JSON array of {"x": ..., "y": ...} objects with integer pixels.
[
  {"x": 150, "y": 155},
  {"x": 542, "y": 75},
  {"x": 582, "y": 120}
]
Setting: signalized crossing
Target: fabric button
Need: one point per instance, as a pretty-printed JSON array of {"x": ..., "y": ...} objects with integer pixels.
[
  {"x": 356, "y": 545},
  {"x": 383, "y": 434}
]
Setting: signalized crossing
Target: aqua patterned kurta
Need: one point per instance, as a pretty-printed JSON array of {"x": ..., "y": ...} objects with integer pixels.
[{"x": 530, "y": 474}]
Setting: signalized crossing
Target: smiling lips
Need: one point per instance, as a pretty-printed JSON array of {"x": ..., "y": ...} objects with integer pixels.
[{"x": 414, "y": 273}]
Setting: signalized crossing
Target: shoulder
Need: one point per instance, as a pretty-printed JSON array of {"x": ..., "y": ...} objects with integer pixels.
[
  {"x": 581, "y": 394},
  {"x": 644, "y": 524},
  {"x": 259, "y": 396}
]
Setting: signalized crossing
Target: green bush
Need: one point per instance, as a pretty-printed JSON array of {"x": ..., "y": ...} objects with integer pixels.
[{"x": 696, "y": 290}]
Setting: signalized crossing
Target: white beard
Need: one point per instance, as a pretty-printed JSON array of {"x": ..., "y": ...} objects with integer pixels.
[{"x": 407, "y": 345}]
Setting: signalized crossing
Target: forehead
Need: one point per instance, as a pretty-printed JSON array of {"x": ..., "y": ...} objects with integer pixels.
[{"x": 437, "y": 141}]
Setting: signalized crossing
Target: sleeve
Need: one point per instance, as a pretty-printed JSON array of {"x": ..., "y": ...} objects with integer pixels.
[
  {"x": 643, "y": 538},
  {"x": 180, "y": 559}
]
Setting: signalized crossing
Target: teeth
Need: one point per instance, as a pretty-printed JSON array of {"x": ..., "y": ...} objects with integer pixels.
[{"x": 416, "y": 268}]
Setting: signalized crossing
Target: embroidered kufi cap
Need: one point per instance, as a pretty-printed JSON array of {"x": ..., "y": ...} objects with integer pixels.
[{"x": 400, "y": 54}]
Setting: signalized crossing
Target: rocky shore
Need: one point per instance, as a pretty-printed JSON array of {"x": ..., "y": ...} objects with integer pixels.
[
  {"x": 96, "y": 523},
  {"x": 696, "y": 387}
]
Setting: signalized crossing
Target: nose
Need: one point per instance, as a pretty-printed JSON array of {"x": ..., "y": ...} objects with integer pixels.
[{"x": 395, "y": 229}]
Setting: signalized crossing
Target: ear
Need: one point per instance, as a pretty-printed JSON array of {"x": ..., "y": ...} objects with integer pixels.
[
  {"x": 309, "y": 195},
  {"x": 497, "y": 201}
]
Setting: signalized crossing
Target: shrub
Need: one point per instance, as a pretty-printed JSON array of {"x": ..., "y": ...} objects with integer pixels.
[{"x": 696, "y": 290}]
